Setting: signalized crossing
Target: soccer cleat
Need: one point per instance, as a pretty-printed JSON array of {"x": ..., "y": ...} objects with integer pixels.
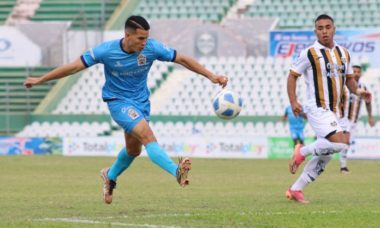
[
  {"x": 344, "y": 170},
  {"x": 108, "y": 186},
  {"x": 297, "y": 159},
  {"x": 296, "y": 196},
  {"x": 184, "y": 166}
]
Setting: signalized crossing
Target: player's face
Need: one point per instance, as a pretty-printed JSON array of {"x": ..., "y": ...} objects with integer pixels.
[
  {"x": 357, "y": 73},
  {"x": 137, "y": 39},
  {"x": 325, "y": 30}
]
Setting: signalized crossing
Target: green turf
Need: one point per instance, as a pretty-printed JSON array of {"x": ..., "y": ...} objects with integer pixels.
[{"x": 43, "y": 191}]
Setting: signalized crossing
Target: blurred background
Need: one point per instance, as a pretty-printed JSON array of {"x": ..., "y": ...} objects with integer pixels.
[{"x": 253, "y": 42}]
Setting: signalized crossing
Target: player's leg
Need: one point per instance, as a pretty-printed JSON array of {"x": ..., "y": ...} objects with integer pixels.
[
  {"x": 343, "y": 156},
  {"x": 330, "y": 137},
  {"x": 125, "y": 157},
  {"x": 122, "y": 162},
  {"x": 293, "y": 134},
  {"x": 352, "y": 138},
  {"x": 125, "y": 114},
  {"x": 313, "y": 168},
  {"x": 145, "y": 135},
  {"x": 156, "y": 153},
  {"x": 301, "y": 136}
]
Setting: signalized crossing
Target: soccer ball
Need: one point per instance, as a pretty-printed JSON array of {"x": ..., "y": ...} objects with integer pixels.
[{"x": 227, "y": 105}]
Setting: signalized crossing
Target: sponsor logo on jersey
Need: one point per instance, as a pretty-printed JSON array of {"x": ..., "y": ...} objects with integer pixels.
[{"x": 141, "y": 60}]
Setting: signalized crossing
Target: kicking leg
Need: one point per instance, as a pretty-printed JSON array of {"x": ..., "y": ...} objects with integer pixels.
[
  {"x": 313, "y": 168},
  {"x": 144, "y": 133}
]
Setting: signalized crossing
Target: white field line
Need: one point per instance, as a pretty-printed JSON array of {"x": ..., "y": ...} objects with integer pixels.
[
  {"x": 87, "y": 221},
  {"x": 245, "y": 213}
]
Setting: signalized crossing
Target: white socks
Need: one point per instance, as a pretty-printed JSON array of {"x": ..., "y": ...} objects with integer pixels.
[
  {"x": 313, "y": 168},
  {"x": 323, "y": 146},
  {"x": 343, "y": 158}
]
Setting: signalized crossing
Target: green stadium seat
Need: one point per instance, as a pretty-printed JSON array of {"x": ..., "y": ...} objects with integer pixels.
[
  {"x": 213, "y": 10},
  {"x": 342, "y": 10},
  {"x": 84, "y": 14}
]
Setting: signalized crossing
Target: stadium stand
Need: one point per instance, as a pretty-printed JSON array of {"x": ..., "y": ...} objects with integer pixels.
[
  {"x": 5, "y": 9},
  {"x": 213, "y": 10},
  {"x": 297, "y": 13},
  {"x": 89, "y": 14},
  {"x": 259, "y": 81},
  {"x": 13, "y": 94},
  {"x": 65, "y": 129},
  {"x": 16, "y": 102},
  {"x": 22, "y": 11}
]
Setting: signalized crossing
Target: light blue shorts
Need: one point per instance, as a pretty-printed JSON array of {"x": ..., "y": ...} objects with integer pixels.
[
  {"x": 127, "y": 113},
  {"x": 297, "y": 134}
]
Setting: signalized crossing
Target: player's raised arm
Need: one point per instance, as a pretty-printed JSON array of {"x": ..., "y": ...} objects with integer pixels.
[
  {"x": 194, "y": 66},
  {"x": 59, "y": 72}
]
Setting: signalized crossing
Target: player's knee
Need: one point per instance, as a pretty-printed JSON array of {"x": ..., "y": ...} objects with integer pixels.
[
  {"x": 134, "y": 149},
  {"x": 134, "y": 153},
  {"x": 146, "y": 136},
  {"x": 338, "y": 147}
]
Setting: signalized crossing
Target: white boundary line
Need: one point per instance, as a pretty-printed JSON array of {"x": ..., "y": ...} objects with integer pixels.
[
  {"x": 89, "y": 221},
  {"x": 247, "y": 213},
  {"x": 86, "y": 221}
]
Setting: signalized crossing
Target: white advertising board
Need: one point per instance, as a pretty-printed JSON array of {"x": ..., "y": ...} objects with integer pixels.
[
  {"x": 17, "y": 50},
  {"x": 194, "y": 146}
]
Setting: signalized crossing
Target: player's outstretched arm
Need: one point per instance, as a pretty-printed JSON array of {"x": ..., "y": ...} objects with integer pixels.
[
  {"x": 352, "y": 85},
  {"x": 194, "y": 66},
  {"x": 291, "y": 87},
  {"x": 59, "y": 72}
]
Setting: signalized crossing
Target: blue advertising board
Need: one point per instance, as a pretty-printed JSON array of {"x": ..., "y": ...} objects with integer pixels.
[
  {"x": 360, "y": 42},
  {"x": 29, "y": 146}
]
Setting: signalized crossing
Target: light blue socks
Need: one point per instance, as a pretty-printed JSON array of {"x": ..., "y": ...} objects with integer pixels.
[
  {"x": 122, "y": 162},
  {"x": 160, "y": 158}
]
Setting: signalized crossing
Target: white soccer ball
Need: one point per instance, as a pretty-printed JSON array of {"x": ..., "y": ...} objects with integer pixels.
[{"x": 227, "y": 105}]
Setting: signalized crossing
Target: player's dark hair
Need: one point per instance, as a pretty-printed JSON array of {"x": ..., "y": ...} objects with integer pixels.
[
  {"x": 136, "y": 22},
  {"x": 357, "y": 66},
  {"x": 324, "y": 16}
]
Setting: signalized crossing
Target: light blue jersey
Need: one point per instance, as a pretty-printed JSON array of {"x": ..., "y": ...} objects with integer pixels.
[
  {"x": 125, "y": 90},
  {"x": 295, "y": 122},
  {"x": 126, "y": 73}
]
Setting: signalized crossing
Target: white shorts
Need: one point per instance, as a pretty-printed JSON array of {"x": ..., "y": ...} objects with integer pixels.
[
  {"x": 323, "y": 121},
  {"x": 345, "y": 124}
]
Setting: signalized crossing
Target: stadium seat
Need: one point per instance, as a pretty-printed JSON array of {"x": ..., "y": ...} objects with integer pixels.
[{"x": 296, "y": 13}]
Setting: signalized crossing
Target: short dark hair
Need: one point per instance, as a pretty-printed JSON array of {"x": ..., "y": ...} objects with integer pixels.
[
  {"x": 324, "y": 16},
  {"x": 357, "y": 66},
  {"x": 136, "y": 22}
]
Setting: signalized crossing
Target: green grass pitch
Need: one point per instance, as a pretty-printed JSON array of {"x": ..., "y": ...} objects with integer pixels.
[{"x": 56, "y": 191}]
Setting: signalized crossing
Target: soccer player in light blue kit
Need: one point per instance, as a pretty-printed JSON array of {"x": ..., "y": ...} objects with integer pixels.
[
  {"x": 296, "y": 125},
  {"x": 127, "y": 62}
]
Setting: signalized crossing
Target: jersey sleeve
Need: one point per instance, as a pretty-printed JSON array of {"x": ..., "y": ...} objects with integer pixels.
[
  {"x": 94, "y": 55},
  {"x": 300, "y": 64},
  {"x": 163, "y": 52}
]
